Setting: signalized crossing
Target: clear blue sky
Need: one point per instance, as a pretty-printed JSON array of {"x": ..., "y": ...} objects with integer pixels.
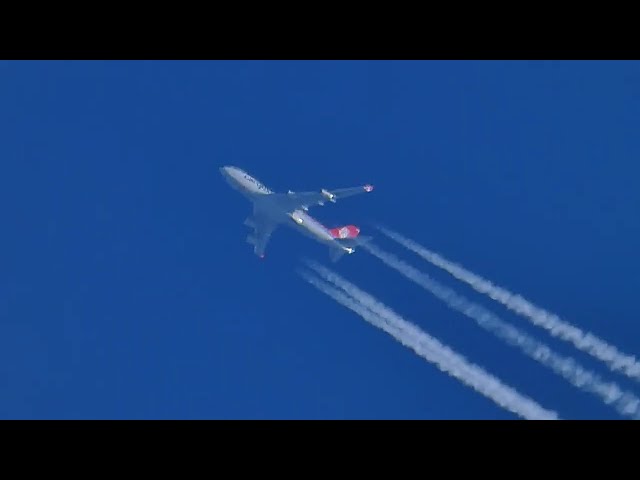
[{"x": 127, "y": 290}]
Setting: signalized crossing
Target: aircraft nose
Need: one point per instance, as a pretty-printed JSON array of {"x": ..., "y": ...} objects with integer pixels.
[{"x": 226, "y": 170}]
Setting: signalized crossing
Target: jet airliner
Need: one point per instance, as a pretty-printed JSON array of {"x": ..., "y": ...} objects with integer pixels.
[{"x": 271, "y": 209}]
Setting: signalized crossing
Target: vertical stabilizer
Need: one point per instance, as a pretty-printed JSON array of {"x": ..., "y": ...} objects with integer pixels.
[{"x": 348, "y": 231}]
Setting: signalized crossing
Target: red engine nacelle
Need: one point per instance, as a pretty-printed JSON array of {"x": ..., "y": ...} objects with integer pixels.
[{"x": 348, "y": 231}]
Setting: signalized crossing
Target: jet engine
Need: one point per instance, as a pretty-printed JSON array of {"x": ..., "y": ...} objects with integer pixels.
[
  {"x": 295, "y": 215},
  {"x": 328, "y": 195}
]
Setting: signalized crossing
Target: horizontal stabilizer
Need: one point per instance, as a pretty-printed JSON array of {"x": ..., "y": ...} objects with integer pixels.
[
  {"x": 336, "y": 254},
  {"x": 354, "y": 242},
  {"x": 349, "y": 245},
  {"x": 359, "y": 241}
]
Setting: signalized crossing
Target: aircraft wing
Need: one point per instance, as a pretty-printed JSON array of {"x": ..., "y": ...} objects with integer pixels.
[
  {"x": 262, "y": 230},
  {"x": 309, "y": 199}
]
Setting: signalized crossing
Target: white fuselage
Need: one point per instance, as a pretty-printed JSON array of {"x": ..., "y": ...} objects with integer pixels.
[
  {"x": 275, "y": 208},
  {"x": 245, "y": 183}
]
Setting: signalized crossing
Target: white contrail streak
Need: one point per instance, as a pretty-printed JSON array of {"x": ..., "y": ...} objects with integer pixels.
[
  {"x": 585, "y": 341},
  {"x": 625, "y": 403},
  {"x": 427, "y": 347}
]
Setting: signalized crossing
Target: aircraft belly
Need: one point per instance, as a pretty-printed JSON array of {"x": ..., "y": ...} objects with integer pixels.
[
  {"x": 320, "y": 232},
  {"x": 311, "y": 232}
]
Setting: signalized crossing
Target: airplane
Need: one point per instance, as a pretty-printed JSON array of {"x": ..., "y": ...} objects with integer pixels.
[{"x": 271, "y": 209}]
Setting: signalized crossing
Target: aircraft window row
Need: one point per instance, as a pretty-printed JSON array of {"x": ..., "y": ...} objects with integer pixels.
[{"x": 256, "y": 183}]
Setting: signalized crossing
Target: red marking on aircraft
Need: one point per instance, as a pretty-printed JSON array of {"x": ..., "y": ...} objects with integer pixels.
[{"x": 348, "y": 231}]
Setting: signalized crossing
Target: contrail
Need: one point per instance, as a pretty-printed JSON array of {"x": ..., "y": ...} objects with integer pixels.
[
  {"x": 625, "y": 403},
  {"x": 587, "y": 342},
  {"x": 426, "y": 346}
]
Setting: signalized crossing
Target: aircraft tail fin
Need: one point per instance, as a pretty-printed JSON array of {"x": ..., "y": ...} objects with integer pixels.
[{"x": 348, "y": 231}]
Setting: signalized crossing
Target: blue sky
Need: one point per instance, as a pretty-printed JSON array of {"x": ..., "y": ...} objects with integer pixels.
[{"x": 127, "y": 290}]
